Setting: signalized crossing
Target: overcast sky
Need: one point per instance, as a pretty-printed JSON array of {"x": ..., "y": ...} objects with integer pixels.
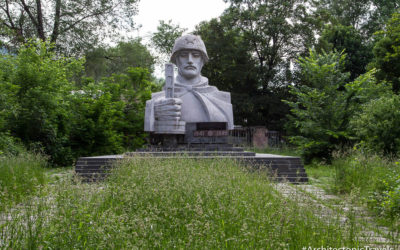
[{"x": 186, "y": 13}]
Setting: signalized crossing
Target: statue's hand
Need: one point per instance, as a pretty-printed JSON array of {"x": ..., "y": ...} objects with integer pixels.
[{"x": 167, "y": 109}]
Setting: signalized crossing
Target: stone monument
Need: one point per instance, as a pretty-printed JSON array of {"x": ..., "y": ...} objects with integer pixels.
[
  {"x": 188, "y": 102},
  {"x": 191, "y": 118}
]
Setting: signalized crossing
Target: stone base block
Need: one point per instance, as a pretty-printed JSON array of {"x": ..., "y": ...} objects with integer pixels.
[{"x": 169, "y": 127}]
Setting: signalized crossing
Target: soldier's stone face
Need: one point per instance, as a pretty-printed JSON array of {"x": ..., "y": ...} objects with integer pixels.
[{"x": 190, "y": 63}]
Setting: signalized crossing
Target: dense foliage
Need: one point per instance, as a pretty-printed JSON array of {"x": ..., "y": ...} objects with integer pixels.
[
  {"x": 378, "y": 125},
  {"x": 387, "y": 53},
  {"x": 322, "y": 105},
  {"x": 105, "y": 61},
  {"x": 48, "y": 106},
  {"x": 350, "y": 41},
  {"x": 327, "y": 102}
]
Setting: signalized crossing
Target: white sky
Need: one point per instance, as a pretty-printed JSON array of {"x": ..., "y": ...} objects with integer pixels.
[{"x": 185, "y": 13}]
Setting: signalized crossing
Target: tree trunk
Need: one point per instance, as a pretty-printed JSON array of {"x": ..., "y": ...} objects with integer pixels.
[
  {"x": 40, "y": 28},
  {"x": 56, "y": 26}
]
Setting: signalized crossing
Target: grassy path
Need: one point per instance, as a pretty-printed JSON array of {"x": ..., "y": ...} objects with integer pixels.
[{"x": 355, "y": 218}]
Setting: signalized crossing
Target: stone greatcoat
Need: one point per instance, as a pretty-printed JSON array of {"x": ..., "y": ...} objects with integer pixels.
[{"x": 200, "y": 103}]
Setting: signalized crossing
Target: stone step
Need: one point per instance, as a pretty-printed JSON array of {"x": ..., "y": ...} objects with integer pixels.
[
  {"x": 190, "y": 153},
  {"x": 280, "y": 167},
  {"x": 193, "y": 147}
]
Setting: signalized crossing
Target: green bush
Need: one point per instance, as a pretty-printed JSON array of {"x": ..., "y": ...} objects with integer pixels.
[
  {"x": 37, "y": 85},
  {"x": 48, "y": 106},
  {"x": 133, "y": 88},
  {"x": 387, "y": 53},
  {"x": 10, "y": 145},
  {"x": 108, "y": 117},
  {"x": 94, "y": 120},
  {"x": 378, "y": 125},
  {"x": 20, "y": 176},
  {"x": 386, "y": 199}
]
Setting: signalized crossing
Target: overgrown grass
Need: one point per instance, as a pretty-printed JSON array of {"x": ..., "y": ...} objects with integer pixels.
[
  {"x": 20, "y": 176},
  {"x": 321, "y": 173},
  {"x": 172, "y": 203},
  {"x": 357, "y": 170},
  {"x": 376, "y": 179}
]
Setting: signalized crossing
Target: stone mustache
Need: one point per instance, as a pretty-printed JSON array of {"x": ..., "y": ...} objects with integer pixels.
[{"x": 188, "y": 98}]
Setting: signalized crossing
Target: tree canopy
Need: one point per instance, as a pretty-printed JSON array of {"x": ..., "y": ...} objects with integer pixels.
[
  {"x": 73, "y": 25},
  {"x": 387, "y": 53},
  {"x": 164, "y": 38},
  {"x": 366, "y": 16},
  {"x": 105, "y": 61},
  {"x": 252, "y": 48},
  {"x": 347, "y": 39}
]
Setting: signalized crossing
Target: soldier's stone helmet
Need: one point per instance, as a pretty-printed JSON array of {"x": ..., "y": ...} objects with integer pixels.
[{"x": 189, "y": 42}]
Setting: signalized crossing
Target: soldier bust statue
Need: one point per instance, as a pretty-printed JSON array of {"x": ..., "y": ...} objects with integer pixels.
[{"x": 192, "y": 99}]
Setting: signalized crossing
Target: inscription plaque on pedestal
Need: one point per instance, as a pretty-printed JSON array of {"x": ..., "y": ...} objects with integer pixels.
[{"x": 210, "y": 133}]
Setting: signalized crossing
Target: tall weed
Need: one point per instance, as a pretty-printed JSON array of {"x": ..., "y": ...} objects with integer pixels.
[
  {"x": 377, "y": 178},
  {"x": 20, "y": 175}
]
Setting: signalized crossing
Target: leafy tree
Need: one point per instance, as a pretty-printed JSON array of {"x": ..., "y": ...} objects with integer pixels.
[
  {"x": 108, "y": 117},
  {"x": 347, "y": 39},
  {"x": 382, "y": 11},
  {"x": 167, "y": 32},
  {"x": 41, "y": 106},
  {"x": 93, "y": 121},
  {"x": 8, "y": 107},
  {"x": 133, "y": 88},
  {"x": 344, "y": 12},
  {"x": 72, "y": 25},
  {"x": 318, "y": 111},
  {"x": 103, "y": 62},
  {"x": 326, "y": 102},
  {"x": 39, "y": 83},
  {"x": 366, "y": 16},
  {"x": 277, "y": 31},
  {"x": 387, "y": 53},
  {"x": 378, "y": 125}
]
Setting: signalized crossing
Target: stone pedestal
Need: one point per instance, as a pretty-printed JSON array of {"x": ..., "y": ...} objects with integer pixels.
[{"x": 206, "y": 133}]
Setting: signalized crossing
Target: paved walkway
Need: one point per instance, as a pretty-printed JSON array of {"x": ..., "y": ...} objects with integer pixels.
[{"x": 349, "y": 215}]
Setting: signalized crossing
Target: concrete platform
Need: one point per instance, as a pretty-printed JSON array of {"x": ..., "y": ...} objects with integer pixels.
[{"x": 281, "y": 168}]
